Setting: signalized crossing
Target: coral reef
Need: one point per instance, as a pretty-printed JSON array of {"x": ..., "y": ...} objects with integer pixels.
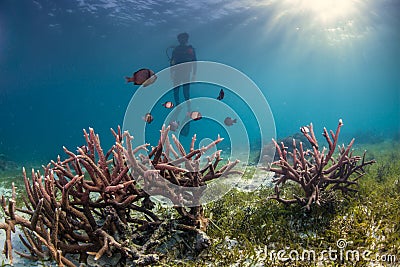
[
  {"x": 96, "y": 202},
  {"x": 317, "y": 172}
]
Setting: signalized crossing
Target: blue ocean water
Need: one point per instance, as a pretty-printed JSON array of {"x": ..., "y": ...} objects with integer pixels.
[{"x": 63, "y": 63}]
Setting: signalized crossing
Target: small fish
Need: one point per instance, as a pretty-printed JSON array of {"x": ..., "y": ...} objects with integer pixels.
[
  {"x": 195, "y": 115},
  {"x": 304, "y": 129},
  {"x": 221, "y": 94},
  {"x": 168, "y": 104},
  {"x": 174, "y": 125},
  {"x": 143, "y": 77},
  {"x": 82, "y": 148},
  {"x": 148, "y": 118},
  {"x": 229, "y": 121}
]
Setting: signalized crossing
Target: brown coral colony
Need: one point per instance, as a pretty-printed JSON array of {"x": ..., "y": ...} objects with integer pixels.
[
  {"x": 93, "y": 202},
  {"x": 317, "y": 172}
]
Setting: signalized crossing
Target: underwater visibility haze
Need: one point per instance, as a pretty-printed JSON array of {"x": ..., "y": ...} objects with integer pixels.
[
  {"x": 266, "y": 70},
  {"x": 63, "y": 65}
]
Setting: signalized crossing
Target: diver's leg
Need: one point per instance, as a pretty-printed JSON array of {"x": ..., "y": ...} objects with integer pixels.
[
  {"x": 186, "y": 128},
  {"x": 186, "y": 94},
  {"x": 186, "y": 88},
  {"x": 176, "y": 95},
  {"x": 176, "y": 111}
]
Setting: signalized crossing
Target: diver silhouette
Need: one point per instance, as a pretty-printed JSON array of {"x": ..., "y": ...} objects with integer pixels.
[{"x": 181, "y": 74}]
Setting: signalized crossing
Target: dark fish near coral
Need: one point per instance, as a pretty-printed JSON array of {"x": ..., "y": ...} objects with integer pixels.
[
  {"x": 143, "y": 77},
  {"x": 195, "y": 115},
  {"x": 168, "y": 104},
  {"x": 229, "y": 121},
  {"x": 174, "y": 125},
  {"x": 221, "y": 94},
  {"x": 83, "y": 148},
  {"x": 148, "y": 118}
]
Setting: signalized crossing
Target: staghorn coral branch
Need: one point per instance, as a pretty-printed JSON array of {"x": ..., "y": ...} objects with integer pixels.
[
  {"x": 8, "y": 244},
  {"x": 34, "y": 246},
  {"x": 214, "y": 143},
  {"x": 163, "y": 166},
  {"x": 130, "y": 156},
  {"x": 341, "y": 159},
  {"x": 179, "y": 146},
  {"x": 117, "y": 134},
  {"x": 113, "y": 188},
  {"x": 90, "y": 145},
  {"x": 193, "y": 142},
  {"x": 185, "y": 158},
  {"x": 168, "y": 149},
  {"x": 335, "y": 137},
  {"x": 307, "y": 130},
  {"x": 36, "y": 214},
  {"x": 89, "y": 164},
  {"x": 157, "y": 151},
  {"x": 56, "y": 254},
  {"x": 28, "y": 188},
  {"x": 225, "y": 171},
  {"x": 122, "y": 174},
  {"x": 102, "y": 159}
]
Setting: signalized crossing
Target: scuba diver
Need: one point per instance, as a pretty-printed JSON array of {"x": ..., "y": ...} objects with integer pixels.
[
  {"x": 180, "y": 75},
  {"x": 181, "y": 54}
]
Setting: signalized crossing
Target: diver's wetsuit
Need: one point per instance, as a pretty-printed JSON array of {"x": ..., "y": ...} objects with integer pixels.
[{"x": 182, "y": 54}]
